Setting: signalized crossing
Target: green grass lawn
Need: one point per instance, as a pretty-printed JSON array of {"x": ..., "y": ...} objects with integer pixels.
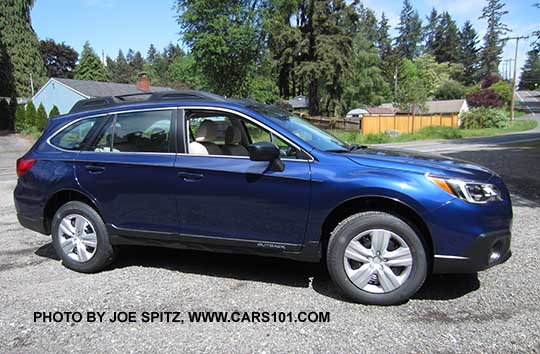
[{"x": 433, "y": 132}]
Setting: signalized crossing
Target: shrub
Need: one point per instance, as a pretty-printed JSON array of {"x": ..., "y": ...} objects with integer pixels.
[
  {"x": 472, "y": 89},
  {"x": 20, "y": 114},
  {"x": 504, "y": 90},
  {"x": 41, "y": 118},
  {"x": 484, "y": 98},
  {"x": 54, "y": 112},
  {"x": 483, "y": 117},
  {"x": 30, "y": 120},
  {"x": 5, "y": 115},
  {"x": 450, "y": 90},
  {"x": 490, "y": 80}
]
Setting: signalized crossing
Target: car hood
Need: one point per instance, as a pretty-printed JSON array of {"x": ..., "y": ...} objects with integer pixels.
[{"x": 420, "y": 163}]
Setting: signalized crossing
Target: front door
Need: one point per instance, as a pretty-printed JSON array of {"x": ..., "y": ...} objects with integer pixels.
[
  {"x": 222, "y": 193},
  {"x": 130, "y": 171}
]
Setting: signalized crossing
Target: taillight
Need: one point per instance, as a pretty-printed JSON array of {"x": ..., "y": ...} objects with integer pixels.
[{"x": 24, "y": 165}]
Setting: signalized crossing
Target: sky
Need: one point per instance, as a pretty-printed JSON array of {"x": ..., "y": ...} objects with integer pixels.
[{"x": 111, "y": 25}]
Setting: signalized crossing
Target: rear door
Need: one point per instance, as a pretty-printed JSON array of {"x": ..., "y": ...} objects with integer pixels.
[
  {"x": 232, "y": 197},
  {"x": 129, "y": 170}
]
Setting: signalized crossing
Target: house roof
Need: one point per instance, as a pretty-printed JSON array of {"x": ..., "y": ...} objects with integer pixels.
[
  {"x": 433, "y": 107},
  {"x": 380, "y": 110},
  {"x": 102, "y": 89},
  {"x": 299, "y": 102}
]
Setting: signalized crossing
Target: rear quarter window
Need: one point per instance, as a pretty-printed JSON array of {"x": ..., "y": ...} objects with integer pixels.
[{"x": 74, "y": 136}]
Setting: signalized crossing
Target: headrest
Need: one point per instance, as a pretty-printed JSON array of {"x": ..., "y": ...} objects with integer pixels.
[
  {"x": 233, "y": 136},
  {"x": 207, "y": 132}
]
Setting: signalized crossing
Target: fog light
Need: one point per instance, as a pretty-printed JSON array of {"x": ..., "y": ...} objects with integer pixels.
[{"x": 495, "y": 253}]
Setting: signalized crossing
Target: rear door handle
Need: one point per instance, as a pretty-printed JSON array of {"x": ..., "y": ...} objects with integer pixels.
[
  {"x": 94, "y": 169},
  {"x": 190, "y": 177}
]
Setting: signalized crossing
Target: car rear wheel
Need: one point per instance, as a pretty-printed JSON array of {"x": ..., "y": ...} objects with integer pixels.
[
  {"x": 376, "y": 258},
  {"x": 80, "y": 238}
]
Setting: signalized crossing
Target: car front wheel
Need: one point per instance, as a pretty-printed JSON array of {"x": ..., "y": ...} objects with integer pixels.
[{"x": 376, "y": 258}]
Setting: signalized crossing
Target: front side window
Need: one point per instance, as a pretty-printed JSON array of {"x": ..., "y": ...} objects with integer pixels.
[
  {"x": 218, "y": 133},
  {"x": 146, "y": 131},
  {"x": 306, "y": 131},
  {"x": 74, "y": 136}
]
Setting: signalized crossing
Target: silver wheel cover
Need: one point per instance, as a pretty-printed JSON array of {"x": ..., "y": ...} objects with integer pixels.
[
  {"x": 378, "y": 261},
  {"x": 77, "y": 237}
]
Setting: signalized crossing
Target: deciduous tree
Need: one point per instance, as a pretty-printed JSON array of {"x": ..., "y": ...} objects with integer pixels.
[{"x": 60, "y": 59}]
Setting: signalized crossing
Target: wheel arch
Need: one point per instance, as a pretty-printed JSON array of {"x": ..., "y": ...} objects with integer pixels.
[
  {"x": 59, "y": 198},
  {"x": 385, "y": 204}
]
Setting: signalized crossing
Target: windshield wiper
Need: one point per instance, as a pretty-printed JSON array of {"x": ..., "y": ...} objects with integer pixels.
[{"x": 353, "y": 147}]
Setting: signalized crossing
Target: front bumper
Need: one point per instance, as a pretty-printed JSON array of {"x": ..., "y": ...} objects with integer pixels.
[{"x": 486, "y": 251}]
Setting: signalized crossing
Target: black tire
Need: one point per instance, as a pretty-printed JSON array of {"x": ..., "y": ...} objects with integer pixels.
[
  {"x": 104, "y": 252},
  {"x": 355, "y": 225}
]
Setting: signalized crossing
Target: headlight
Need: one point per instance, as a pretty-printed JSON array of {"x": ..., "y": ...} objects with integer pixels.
[{"x": 472, "y": 192}]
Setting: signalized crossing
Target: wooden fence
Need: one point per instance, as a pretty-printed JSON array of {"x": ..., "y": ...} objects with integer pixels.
[
  {"x": 405, "y": 123},
  {"x": 375, "y": 124}
]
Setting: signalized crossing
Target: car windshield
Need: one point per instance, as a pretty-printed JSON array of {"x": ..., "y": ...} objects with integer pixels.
[{"x": 312, "y": 135}]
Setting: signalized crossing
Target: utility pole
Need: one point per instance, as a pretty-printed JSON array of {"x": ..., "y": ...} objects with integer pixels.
[
  {"x": 395, "y": 82},
  {"x": 513, "y": 105},
  {"x": 31, "y": 84}
]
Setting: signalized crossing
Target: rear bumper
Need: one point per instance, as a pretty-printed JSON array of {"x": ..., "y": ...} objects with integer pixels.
[
  {"x": 35, "y": 224},
  {"x": 486, "y": 251}
]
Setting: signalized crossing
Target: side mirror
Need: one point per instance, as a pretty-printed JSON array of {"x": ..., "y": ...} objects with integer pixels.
[{"x": 266, "y": 151}]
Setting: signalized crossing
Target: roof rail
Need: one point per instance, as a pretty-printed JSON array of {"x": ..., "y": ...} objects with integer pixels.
[{"x": 110, "y": 101}]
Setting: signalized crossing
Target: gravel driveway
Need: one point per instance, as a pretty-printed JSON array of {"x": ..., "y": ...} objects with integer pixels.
[{"x": 493, "y": 311}]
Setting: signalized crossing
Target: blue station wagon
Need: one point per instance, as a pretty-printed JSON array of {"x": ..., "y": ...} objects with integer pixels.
[{"x": 193, "y": 170}]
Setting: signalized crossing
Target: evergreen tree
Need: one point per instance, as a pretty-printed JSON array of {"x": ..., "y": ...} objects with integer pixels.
[
  {"x": 327, "y": 29},
  {"x": 283, "y": 39},
  {"x": 366, "y": 85},
  {"x": 368, "y": 24},
  {"x": 151, "y": 54},
  {"x": 21, "y": 47},
  {"x": 468, "y": 54},
  {"x": 5, "y": 115},
  {"x": 90, "y": 67},
  {"x": 136, "y": 65},
  {"x": 446, "y": 44},
  {"x": 30, "y": 117},
  {"x": 530, "y": 75},
  {"x": 430, "y": 31},
  {"x": 54, "y": 112},
  {"x": 60, "y": 59},
  {"x": 493, "y": 46},
  {"x": 41, "y": 118},
  {"x": 20, "y": 118},
  {"x": 384, "y": 42},
  {"x": 410, "y": 32},
  {"x": 121, "y": 71}
]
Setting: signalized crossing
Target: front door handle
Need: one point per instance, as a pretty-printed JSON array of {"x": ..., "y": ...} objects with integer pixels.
[
  {"x": 190, "y": 177},
  {"x": 94, "y": 169}
]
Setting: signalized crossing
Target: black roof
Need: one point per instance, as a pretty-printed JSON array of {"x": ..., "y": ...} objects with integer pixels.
[
  {"x": 91, "y": 88},
  {"x": 111, "y": 101}
]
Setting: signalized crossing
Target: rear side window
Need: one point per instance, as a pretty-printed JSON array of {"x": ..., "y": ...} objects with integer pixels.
[
  {"x": 145, "y": 131},
  {"x": 74, "y": 136}
]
